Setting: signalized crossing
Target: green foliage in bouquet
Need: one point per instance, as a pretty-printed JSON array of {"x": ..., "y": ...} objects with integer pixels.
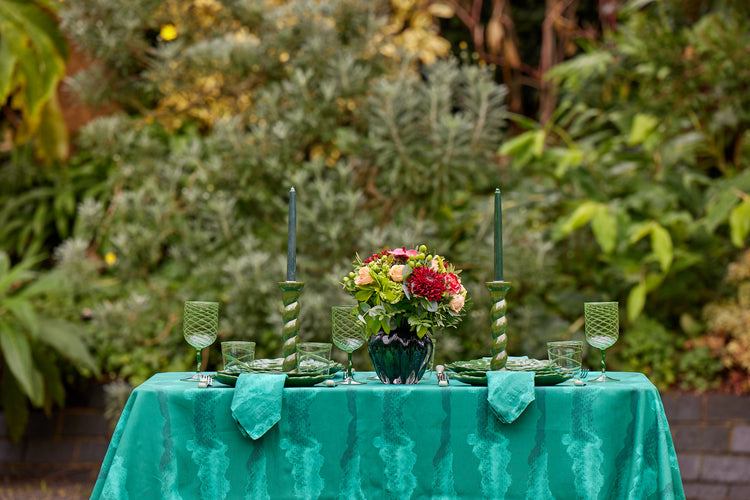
[{"x": 413, "y": 289}]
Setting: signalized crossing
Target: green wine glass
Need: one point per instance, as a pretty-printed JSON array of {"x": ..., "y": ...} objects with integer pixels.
[
  {"x": 348, "y": 335},
  {"x": 199, "y": 327},
  {"x": 602, "y": 330}
]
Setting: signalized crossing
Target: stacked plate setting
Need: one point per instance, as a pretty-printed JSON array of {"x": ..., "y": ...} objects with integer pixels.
[
  {"x": 293, "y": 379},
  {"x": 474, "y": 372}
]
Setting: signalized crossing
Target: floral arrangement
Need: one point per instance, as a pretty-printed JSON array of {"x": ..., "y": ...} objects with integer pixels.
[{"x": 402, "y": 288}]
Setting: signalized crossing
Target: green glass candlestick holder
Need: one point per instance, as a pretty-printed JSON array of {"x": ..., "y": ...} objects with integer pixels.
[
  {"x": 290, "y": 292},
  {"x": 498, "y": 323}
]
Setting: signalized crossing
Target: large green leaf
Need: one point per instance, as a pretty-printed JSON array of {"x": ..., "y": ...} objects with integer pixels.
[
  {"x": 636, "y": 301},
  {"x": 48, "y": 282},
  {"x": 17, "y": 355},
  {"x": 24, "y": 312},
  {"x": 32, "y": 63},
  {"x": 739, "y": 223},
  {"x": 15, "y": 405},
  {"x": 4, "y": 265},
  {"x": 643, "y": 124},
  {"x": 20, "y": 273},
  {"x": 604, "y": 226},
  {"x": 8, "y": 61},
  {"x": 580, "y": 217},
  {"x": 66, "y": 339},
  {"x": 53, "y": 384},
  {"x": 661, "y": 242}
]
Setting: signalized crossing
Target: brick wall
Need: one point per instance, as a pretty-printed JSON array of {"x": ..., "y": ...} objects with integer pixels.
[
  {"x": 69, "y": 444},
  {"x": 711, "y": 434}
]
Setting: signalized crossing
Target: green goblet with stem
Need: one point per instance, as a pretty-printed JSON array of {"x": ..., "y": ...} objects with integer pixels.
[
  {"x": 199, "y": 327},
  {"x": 348, "y": 335},
  {"x": 602, "y": 330}
]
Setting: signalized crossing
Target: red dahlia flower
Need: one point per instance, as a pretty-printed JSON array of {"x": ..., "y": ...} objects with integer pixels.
[{"x": 427, "y": 283}]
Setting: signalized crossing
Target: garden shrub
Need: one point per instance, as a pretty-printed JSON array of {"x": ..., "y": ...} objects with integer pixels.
[
  {"x": 380, "y": 149},
  {"x": 647, "y": 155}
]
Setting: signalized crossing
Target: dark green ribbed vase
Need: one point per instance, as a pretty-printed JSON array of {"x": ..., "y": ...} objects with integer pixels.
[{"x": 399, "y": 357}]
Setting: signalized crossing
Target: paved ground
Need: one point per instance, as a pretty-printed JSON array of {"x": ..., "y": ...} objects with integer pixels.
[
  {"x": 52, "y": 486},
  {"x": 41, "y": 490}
]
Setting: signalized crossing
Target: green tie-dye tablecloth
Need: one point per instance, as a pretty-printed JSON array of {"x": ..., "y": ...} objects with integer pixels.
[{"x": 601, "y": 441}]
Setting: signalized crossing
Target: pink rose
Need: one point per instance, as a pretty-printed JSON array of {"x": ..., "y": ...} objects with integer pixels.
[
  {"x": 453, "y": 283},
  {"x": 457, "y": 303},
  {"x": 364, "y": 277},
  {"x": 397, "y": 273},
  {"x": 403, "y": 252}
]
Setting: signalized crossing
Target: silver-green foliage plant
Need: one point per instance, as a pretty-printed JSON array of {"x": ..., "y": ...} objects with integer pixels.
[{"x": 379, "y": 151}]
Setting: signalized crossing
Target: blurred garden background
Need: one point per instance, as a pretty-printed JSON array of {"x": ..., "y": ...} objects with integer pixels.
[{"x": 147, "y": 149}]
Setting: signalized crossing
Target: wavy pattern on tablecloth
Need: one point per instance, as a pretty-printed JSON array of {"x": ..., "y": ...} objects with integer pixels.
[
  {"x": 303, "y": 451},
  {"x": 669, "y": 470},
  {"x": 395, "y": 446},
  {"x": 167, "y": 462},
  {"x": 256, "y": 485},
  {"x": 115, "y": 472},
  {"x": 537, "y": 484},
  {"x": 490, "y": 446},
  {"x": 628, "y": 460},
  {"x": 208, "y": 451},
  {"x": 584, "y": 446},
  {"x": 351, "y": 484},
  {"x": 443, "y": 485}
]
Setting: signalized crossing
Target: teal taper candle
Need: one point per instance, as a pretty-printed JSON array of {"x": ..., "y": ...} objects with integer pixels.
[
  {"x": 291, "y": 243},
  {"x": 498, "y": 236}
]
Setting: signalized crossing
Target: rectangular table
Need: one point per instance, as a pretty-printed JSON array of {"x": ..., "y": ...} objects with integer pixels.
[{"x": 599, "y": 441}]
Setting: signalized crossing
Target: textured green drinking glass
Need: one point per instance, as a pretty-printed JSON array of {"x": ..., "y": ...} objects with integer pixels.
[
  {"x": 200, "y": 325},
  {"x": 348, "y": 335},
  {"x": 602, "y": 322}
]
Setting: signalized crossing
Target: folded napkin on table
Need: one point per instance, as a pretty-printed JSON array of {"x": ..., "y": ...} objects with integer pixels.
[
  {"x": 256, "y": 405},
  {"x": 509, "y": 393}
]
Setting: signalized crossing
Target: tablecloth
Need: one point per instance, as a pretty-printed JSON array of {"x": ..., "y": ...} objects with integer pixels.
[{"x": 375, "y": 441}]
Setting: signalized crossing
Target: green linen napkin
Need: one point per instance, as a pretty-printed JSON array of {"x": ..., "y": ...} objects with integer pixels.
[
  {"x": 509, "y": 393},
  {"x": 256, "y": 405}
]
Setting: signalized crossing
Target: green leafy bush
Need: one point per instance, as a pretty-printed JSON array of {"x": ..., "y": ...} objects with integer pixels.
[
  {"x": 380, "y": 151},
  {"x": 33, "y": 342},
  {"x": 646, "y": 155}
]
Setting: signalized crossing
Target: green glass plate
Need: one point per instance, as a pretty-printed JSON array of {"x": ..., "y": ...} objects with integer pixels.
[
  {"x": 543, "y": 376},
  {"x": 471, "y": 365},
  {"x": 478, "y": 377},
  {"x": 551, "y": 378},
  {"x": 483, "y": 364},
  {"x": 274, "y": 366},
  {"x": 307, "y": 380},
  {"x": 292, "y": 379}
]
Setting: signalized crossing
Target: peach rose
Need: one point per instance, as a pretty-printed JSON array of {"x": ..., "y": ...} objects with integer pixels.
[
  {"x": 457, "y": 303},
  {"x": 397, "y": 273},
  {"x": 435, "y": 264},
  {"x": 364, "y": 277}
]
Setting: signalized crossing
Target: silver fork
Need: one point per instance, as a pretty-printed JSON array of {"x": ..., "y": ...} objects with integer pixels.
[
  {"x": 206, "y": 381},
  {"x": 581, "y": 378}
]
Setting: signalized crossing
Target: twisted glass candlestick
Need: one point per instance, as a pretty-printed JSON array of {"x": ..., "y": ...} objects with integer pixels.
[
  {"x": 498, "y": 323},
  {"x": 290, "y": 292}
]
